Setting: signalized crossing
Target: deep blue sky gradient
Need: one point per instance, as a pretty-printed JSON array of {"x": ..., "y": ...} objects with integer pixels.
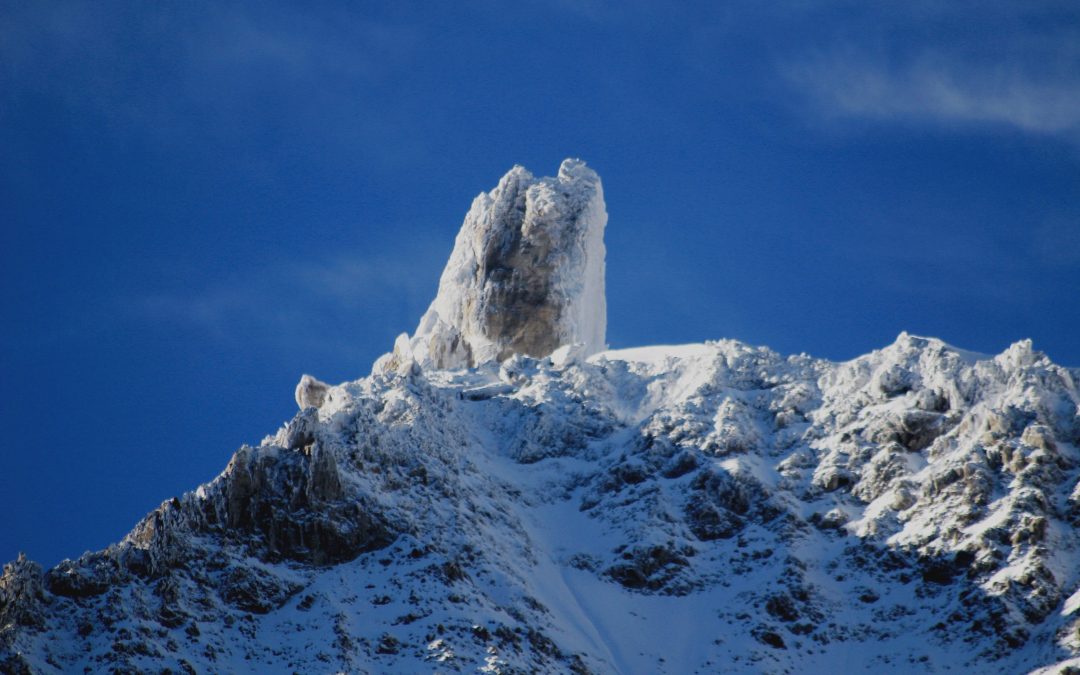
[{"x": 199, "y": 202}]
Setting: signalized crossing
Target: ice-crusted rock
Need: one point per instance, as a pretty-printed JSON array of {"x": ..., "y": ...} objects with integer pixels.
[
  {"x": 310, "y": 392},
  {"x": 914, "y": 509},
  {"x": 552, "y": 509},
  {"x": 526, "y": 275}
]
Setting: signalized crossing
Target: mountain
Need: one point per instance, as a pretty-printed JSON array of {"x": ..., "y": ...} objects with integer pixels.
[{"x": 504, "y": 495}]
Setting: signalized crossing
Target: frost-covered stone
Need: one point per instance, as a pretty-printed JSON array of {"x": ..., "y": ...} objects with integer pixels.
[
  {"x": 526, "y": 275},
  {"x": 311, "y": 393}
]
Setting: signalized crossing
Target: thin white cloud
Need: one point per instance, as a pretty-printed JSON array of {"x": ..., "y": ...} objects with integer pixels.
[
  {"x": 993, "y": 66},
  {"x": 310, "y": 305},
  {"x": 939, "y": 89},
  {"x": 211, "y": 310},
  {"x": 210, "y": 74}
]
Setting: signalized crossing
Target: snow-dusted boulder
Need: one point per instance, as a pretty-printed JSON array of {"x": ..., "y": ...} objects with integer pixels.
[
  {"x": 310, "y": 392},
  {"x": 526, "y": 276}
]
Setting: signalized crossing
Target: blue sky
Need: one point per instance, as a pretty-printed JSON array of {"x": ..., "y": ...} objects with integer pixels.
[{"x": 199, "y": 202}]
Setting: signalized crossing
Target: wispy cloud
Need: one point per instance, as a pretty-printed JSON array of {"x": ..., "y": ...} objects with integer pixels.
[
  {"x": 999, "y": 66},
  {"x": 212, "y": 73},
  {"x": 322, "y": 305},
  {"x": 936, "y": 89}
]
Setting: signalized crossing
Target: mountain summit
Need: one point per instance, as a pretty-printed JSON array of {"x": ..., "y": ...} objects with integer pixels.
[
  {"x": 500, "y": 497},
  {"x": 526, "y": 275}
]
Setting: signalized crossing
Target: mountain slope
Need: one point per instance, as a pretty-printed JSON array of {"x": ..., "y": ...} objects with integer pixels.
[{"x": 701, "y": 508}]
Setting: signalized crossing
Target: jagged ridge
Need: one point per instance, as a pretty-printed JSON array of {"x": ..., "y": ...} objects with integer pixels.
[
  {"x": 490, "y": 499},
  {"x": 884, "y": 511}
]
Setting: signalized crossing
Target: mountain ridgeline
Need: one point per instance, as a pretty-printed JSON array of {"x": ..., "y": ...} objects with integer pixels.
[{"x": 505, "y": 495}]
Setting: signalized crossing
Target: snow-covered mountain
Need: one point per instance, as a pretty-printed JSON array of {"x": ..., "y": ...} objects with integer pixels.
[{"x": 502, "y": 495}]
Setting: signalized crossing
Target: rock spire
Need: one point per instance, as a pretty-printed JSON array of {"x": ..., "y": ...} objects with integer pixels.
[{"x": 526, "y": 276}]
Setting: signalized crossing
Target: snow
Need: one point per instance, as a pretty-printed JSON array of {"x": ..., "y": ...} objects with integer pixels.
[
  {"x": 311, "y": 392},
  {"x": 526, "y": 275},
  {"x": 657, "y": 356},
  {"x": 547, "y": 481},
  {"x": 1072, "y": 604},
  {"x": 504, "y": 495}
]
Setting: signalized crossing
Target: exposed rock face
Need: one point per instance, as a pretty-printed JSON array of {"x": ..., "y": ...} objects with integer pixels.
[
  {"x": 22, "y": 595},
  {"x": 526, "y": 275}
]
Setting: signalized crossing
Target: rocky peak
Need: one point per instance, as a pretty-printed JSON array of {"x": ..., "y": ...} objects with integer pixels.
[
  {"x": 526, "y": 276},
  {"x": 21, "y": 594},
  {"x": 913, "y": 509}
]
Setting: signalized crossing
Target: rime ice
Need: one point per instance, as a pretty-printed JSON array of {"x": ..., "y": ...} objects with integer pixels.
[{"x": 526, "y": 275}]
